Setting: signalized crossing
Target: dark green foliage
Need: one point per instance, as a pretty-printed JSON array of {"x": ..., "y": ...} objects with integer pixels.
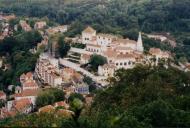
[
  {"x": 150, "y": 96},
  {"x": 2, "y": 103},
  {"x": 89, "y": 81},
  {"x": 122, "y": 17},
  {"x": 76, "y": 95},
  {"x": 20, "y": 60},
  {"x": 49, "y": 96},
  {"x": 78, "y": 45},
  {"x": 76, "y": 106},
  {"x": 139, "y": 98},
  {"x": 97, "y": 60},
  {"x": 37, "y": 120},
  {"x": 63, "y": 47}
]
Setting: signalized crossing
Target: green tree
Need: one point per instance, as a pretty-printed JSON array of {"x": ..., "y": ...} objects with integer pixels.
[
  {"x": 49, "y": 96},
  {"x": 76, "y": 106},
  {"x": 63, "y": 47},
  {"x": 97, "y": 60},
  {"x": 74, "y": 96}
]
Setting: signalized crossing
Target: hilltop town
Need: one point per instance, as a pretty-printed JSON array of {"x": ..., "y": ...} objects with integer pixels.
[
  {"x": 68, "y": 73},
  {"x": 74, "y": 72}
]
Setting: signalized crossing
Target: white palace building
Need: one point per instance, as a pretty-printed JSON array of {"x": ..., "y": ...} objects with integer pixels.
[{"x": 120, "y": 53}]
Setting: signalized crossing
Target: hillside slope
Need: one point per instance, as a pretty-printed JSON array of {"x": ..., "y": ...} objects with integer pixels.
[{"x": 144, "y": 97}]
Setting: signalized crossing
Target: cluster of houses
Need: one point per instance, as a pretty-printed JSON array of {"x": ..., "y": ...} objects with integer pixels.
[
  {"x": 39, "y": 25},
  {"x": 49, "y": 72},
  {"x": 5, "y": 27},
  {"x": 24, "y": 99}
]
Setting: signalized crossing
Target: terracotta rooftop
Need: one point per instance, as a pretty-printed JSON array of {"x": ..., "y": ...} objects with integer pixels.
[
  {"x": 30, "y": 84},
  {"x": 85, "y": 56},
  {"x": 123, "y": 48},
  {"x": 48, "y": 108},
  {"x": 29, "y": 74},
  {"x": 68, "y": 70},
  {"x": 89, "y": 30},
  {"x": 27, "y": 92},
  {"x": 22, "y": 104},
  {"x": 188, "y": 66},
  {"x": 107, "y": 35},
  {"x": 109, "y": 66},
  {"x": 109, "y": 53},
  {"x": 125, "y": 41},
  {"x": 9, "y": 17},
  {"x": 2, "y": 93},
  {"x": 155, "y": 51},
  {"x": 61, "y": 103}
]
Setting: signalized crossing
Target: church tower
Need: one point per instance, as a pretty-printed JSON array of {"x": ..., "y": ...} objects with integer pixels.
[{"x": 140, "y": 47}]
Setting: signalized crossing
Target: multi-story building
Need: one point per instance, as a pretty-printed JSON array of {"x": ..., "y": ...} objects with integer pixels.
[
  {"x": 23, "y": 106},
  {"x": 107, "y": 70},
  {"x": 27, "y": 82},
  {"x": 47, "y": 69},
  {"x": 88, "y": 35},
  {"x": 30, "y": 94}
]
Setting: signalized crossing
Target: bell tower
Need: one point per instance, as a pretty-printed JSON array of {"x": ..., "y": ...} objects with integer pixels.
[{"x": 140, "y": 47}]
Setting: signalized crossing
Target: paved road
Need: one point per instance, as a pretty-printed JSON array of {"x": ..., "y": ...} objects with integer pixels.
[{"x": 76, "y": 67}]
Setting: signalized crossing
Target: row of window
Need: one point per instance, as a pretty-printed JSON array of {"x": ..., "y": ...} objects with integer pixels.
[
  {"x": 125, "y": 63},
  {"x": 93, "y": 50},
  {"x": 104, "y": 38},
  {"x": 86, "y": 39}
]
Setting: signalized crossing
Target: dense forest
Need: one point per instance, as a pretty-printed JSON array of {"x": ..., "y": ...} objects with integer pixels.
[
  {"x": 142, "y": 97},
  {"x": 122, "y": 17}
]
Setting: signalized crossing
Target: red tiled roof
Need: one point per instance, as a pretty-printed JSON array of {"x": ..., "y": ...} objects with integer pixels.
[
  {"x": 29, "y": 74},
  {"x": 47, "y": 108},
  {"x": 124, "y": 41},
  {"x": 85, "y": 56},
  {"x": 68, "y": 70},
  {"x": 27, "y": 92},
  {"x": 61, "y": 103},
  {"x": 30, "y": 84},
  {"x": 155, "y": 51},
  {"x": 107, "y": 35},
  {"x": 22, "y": 103},
  {"x": 2, "y": 93}
]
